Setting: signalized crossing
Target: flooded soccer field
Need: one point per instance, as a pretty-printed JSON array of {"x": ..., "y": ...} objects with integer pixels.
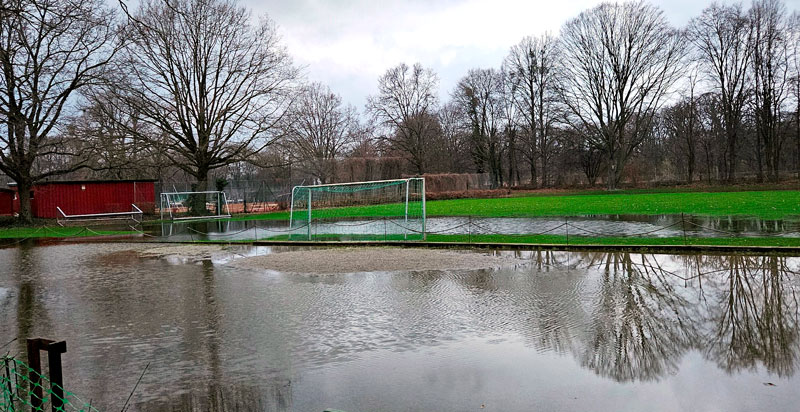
[{"x": 242, "y": 328}]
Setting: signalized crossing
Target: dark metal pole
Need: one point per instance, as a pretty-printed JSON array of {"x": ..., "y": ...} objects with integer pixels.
[{"x": 54, "y": 351}]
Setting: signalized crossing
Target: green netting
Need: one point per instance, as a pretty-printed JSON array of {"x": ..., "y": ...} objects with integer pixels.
[
  {"x": 384, "y": 209},
  {"x": 23, "y": 389}
]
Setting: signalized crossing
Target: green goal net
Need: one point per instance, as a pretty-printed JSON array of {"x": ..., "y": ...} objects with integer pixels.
[{"x": 375, "y": 210}]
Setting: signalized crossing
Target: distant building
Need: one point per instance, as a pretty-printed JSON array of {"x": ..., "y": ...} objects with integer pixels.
[
  {"x": 7, "y": 197},
  {"x": 86, "y": 197}
]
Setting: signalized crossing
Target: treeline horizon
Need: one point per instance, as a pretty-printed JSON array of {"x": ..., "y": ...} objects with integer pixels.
[{"x": 199, "y": 90}]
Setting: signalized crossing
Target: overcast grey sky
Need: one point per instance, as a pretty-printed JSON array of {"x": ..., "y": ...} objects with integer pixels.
[{"x": 349, "y": 44}]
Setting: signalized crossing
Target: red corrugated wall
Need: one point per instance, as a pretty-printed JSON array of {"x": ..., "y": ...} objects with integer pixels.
[
  {"x": 6, "y": 202},
  {"x": 76, "y": 198}
]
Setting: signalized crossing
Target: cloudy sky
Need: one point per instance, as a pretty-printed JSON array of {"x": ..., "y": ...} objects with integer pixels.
[{"x": 349, "y": 44}]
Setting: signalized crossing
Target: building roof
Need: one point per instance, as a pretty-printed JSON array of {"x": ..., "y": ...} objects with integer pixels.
[{"x": 72, "y": 182}]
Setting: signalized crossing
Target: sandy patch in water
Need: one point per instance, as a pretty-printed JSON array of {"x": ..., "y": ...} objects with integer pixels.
[
  {"x": 350, "y": 260},
  {"x": 184, "y": 251}
]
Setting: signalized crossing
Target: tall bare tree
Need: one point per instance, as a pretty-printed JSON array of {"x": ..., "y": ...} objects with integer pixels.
[
  {"x": 681, "y": 122},
  {"x": 319, "y": 128},
  {"x": 794, "y": 64},
  {"x": 531, "y": 65},
  {"x": 405, "y": 105},
  {"x": 206, "y": 78},
  {"x": 620, "y": 60},
  {"x": 770, "y": 71},
  {"x": 478, "y": 95},
  {"x": 722, "y": 37},
  {"x": 49, "y": 49}
]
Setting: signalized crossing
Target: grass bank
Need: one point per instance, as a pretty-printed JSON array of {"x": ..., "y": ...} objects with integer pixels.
[
  {"x": 59, "y": 232},
  {"x": 774, "y": 204},
  {"x": 553, "y": 240}
]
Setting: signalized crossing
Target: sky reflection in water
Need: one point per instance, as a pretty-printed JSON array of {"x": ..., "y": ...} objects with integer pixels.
[{"x": 567, "y": 331}]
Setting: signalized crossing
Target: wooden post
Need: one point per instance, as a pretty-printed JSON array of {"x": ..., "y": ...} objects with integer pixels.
[
  {"x": 54, "y": 351},
  {"x": 34, "y": 376}
]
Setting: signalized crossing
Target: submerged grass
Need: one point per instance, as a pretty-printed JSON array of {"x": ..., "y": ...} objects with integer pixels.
[{"x": 775, "y": 204}]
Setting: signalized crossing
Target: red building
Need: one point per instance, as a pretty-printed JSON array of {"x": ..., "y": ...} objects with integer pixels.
[
  {"x": 89, "y": 196},
  {"x": 7, "y": 202}
]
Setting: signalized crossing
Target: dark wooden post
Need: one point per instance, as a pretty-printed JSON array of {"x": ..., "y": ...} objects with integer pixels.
[
  {"x": 34, "y": 376},
  {"x": 54, "y": 351}
]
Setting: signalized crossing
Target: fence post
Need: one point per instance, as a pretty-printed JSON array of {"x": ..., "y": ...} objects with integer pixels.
[
  {"x": 54, "y": 351},
  {"x": 566, "y": 227},
  {"x": 469, "y": 230},
  {"x": 35, "y": 374},
  {"x": 683, "y": 224}
]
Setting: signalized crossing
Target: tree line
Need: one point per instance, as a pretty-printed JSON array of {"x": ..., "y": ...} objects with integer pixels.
[{"x": 202, "y": 89}]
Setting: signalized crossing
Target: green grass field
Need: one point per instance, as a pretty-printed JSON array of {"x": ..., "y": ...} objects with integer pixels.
[
  {"x": 553, "y": 240},
  {"x": 58, "y": 232},
  {"x": 773, "y": 204},
  {"x": 779, "y": 204}
]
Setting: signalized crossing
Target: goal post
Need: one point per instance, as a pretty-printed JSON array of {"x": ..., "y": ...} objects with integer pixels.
[
  {"x": 193, "y": 205},
  {"x": 373, "y": 210}
]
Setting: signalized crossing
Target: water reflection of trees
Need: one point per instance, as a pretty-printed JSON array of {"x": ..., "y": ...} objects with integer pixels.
[
  {"x": 647, "y": 311},
  {"x": 755, "y": 315},
  {"x": 640, "y": 326},
  {"x": 271, "y": 395}
]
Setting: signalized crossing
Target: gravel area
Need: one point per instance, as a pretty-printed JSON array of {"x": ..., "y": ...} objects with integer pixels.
[
  {"x": 350, "y": 260},
  {"x": 184, "y": 251}
]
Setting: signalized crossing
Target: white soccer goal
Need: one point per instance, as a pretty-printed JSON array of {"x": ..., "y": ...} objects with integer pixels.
[
  {"x": 374, "y": 210},
  {"x": 194, "y": 205}
]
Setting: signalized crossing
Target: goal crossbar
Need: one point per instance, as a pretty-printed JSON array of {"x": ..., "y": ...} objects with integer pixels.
[
  {"x": 307, "y": 194},
  {"x": 168, "y": 205}
]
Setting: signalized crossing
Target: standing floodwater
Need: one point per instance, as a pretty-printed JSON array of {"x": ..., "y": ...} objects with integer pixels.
[{"x": 557, "y": 331}]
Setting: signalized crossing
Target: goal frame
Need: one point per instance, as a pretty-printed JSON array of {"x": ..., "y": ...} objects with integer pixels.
[
  {"x": 407, "y": 183},
  {"x": 165, "y": 198}
]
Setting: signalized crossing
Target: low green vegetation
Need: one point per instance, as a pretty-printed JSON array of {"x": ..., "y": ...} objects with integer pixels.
[
  {"x": 57, "y": 232},
  {"x": 776, "y": 204},
  {"x": 560, "y": 240}
]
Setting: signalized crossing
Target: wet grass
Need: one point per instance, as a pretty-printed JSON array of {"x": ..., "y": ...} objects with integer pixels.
[
  {"x": 56, "y": 232},
  {"x": 775, "y": 204},
  {"x": 555, "y": 240}
]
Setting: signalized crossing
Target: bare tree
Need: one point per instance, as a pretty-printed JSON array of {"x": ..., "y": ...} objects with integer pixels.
[
  {"x": 619, "y": 62},
  {"x": 455, "y": 135},
  {"x": 794, "y": 63},
  {"x": 49, "y": 49},
  {"x": 405, "y": 104},
  {"x": 212, "y": 83},
  {"x": 722, "y": 36},
  {"x": 319, "y": 128},
  {"x": 478, "y": 94},
  {"x": 770, "y": 71},
  {"x": 531, "y": 67},
  {"x": 510, "y": 121},
  {"x": 682, "y": 124}
]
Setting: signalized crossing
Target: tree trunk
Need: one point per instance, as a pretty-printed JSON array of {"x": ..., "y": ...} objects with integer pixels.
[
  {"x": 545, "y": 173},
  {"x": 731, "y": 172},
  {"x": 197, "y": 203},
  {"x": 24, "y": 193},
  {"x": 759, "y": 157}
]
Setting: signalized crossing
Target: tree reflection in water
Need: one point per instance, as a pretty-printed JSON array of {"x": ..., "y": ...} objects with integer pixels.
[
  {"x": 647, "y": 311},
  {"x": 755, "y": 316},
  {"x": 639, "y": 328}
]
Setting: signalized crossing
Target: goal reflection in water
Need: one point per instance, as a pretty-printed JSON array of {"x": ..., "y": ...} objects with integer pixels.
[{"x": 562, "y": 325}]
